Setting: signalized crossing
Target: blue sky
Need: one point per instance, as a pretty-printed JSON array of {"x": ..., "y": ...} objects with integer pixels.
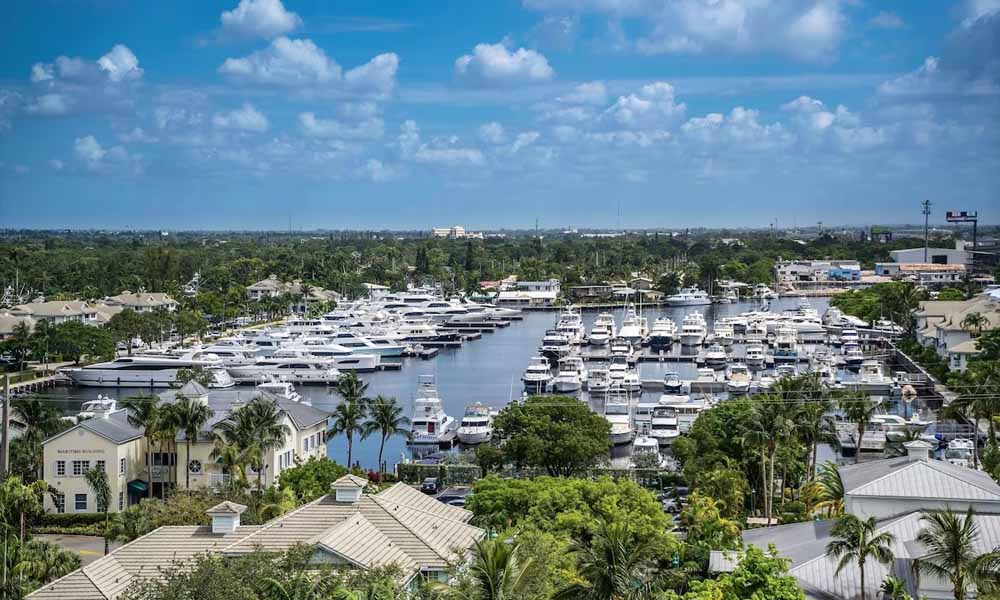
[{"x": 250, "y": 113}]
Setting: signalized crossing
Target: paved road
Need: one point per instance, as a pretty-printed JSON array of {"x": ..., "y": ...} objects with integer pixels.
[{"x": 89, "y": 547}]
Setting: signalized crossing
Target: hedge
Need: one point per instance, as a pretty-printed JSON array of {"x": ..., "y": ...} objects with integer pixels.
[
  {"x": 95, "y": 530},
  {"x": 68, "y": 519},
  {"x": 447, "y": 474}
]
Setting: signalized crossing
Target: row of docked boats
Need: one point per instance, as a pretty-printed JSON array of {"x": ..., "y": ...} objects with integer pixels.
[{"x": 355, "y": 337}]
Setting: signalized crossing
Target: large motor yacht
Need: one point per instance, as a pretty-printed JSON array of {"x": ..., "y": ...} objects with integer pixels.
[
  {"x": 294, "y": 367},
  {"x": 477, "y": 425},
  {"x": 738, "y": 379},
  {"x": 149, "y": 370},
  {"x": 537, "y": 376},
  {"x": 693, "y": 329},
  {"x": 616, "y": 412},
  {"x": 430, "y": 424},
  {"x": 691, "y": 296},
  {"x": 631, "y": 329},
  {"x": 603, "y": 330},
  {"x": 571, "y": 376},
  {"x": 570, "y": 324},
  {"x": 662, "y": 336},
  {"x": 715, "y": 356},
  {"x": 380, "y": 345},
  {"x": 598, "y": 381},
  {"x": 755, "y": 356},
  {"x": 343, "y": 358},
  {"x": 786, "y": 345},
  {"x": 663, "y": 427},
  {"x": 555, "y": 345}
]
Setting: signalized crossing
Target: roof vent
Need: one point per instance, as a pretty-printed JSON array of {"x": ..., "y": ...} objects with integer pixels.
[
  {"x": 348, "y": 488},
  {"x": 918, "y": 450},
  {"x": 225, "y": 517}
]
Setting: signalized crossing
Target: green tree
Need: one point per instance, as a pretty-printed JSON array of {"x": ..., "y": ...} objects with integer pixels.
[
  {"x": 858, "y": 541},
  {"x": 707, "y": 528},
  {"x": 385, "y": 418},
  {"x": 497, "y": 572},
  {"x": 18, "y": 502},
  {"x": 614, "y": 564},
  {"x": 255, "y": 428},
  {"x": 349, "y": 420},
  {"x": 894, "y": 588},
  {"x": 858, "y": 408},
  {"x": 949, "y": 541},
  {"x": 18, "y": 345},
  {"x": 97, "y": 479},
  {"x": 758, "y": 575},
  {"x": 975, "y": 323},
  {"x": 555, "y": 433},
  {"x": 125, "y": 326},
  {"x": 311, "y": 479},
  {"x": 826, "y": 490},
  {"x": 191, "y": 323},
  {"x": 129, "y": 524},
  {"x": 190, "y": 416}
]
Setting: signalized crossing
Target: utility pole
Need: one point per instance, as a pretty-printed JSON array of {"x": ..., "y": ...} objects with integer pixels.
[
  {"x": 926, "y": 204},
  {"x": 5, "y": 445}
]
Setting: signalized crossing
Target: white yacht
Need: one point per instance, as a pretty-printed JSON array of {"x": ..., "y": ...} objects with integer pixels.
[
  {"x": 684, "y": 408},
  {"x": 477, "y": 425},
  {"x": 850, "y": 336},
  {"x": 754, "y": 356},
  {"x": 422, "y": 331},
  {"x": 380, "y": 345},
  {"x": 691, "y": 296},
  {"x": 646, "y": 445},
  {"x": 784, "y": 371},
  {"x": 693, "y": 329},
  {"x": 715, "y": 356},
  {"x": 571, "y": 375},
  {"x": 662, "y": 336},
  {"x": 555, "y": 345},
  {"x": 429, "y": 424},
  {"x": 537, "y": 376},
  {"x": 872, "y": 375},
  {"x": 738, "y": 379},
  {"x": 621, "y": 347},
  {"x": 959, "y": 452},
  {"x": 762, "y": 292},
  {"x": 631, "y": 329},
  {"x": 281, "y": 389},
  {"x": 149, "y": 370},
  {"x": 723, "y": 334},
  {"x": 623, "y": 379},
  {"x": 103, "y": 404},
  {"x": 570, "y": 324},
  {"x": 853, "y": 356},
  {"x": 603, "y": 330},
  {"x": 617, "y": 415},
  {"x": 342, "y": 358},
  {"x": 598, "y": 381},
  {"x": 232, "y": 352},
  {"x": 786, "y": 345},
  {"x": 672, "y": 383},
  {"x": 293, "y": 367},
  {"x": 756, "y": 333},
  {"x": 663, "y": 427}
]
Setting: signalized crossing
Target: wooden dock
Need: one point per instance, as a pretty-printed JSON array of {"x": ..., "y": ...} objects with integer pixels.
[{"x": 38, "y": 384}]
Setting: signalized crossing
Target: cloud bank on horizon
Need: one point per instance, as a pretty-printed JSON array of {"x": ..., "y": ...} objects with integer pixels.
[{"x": 694, "y": 112}]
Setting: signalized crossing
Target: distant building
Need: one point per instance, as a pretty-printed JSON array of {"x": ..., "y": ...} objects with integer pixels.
[
  {"x": 790, "y": 271},
  {"x": 939, "y": 326},
  {"x": 456, "y": 232},
  {"x": 142, "y": 301},
  {"x": 938, "y": 256},
  {"x": 272, "y": 287},
  {"x": 530, "y": 293},
  {"x": 9, "y": 321},
  {"x": 924, "y": 274}
]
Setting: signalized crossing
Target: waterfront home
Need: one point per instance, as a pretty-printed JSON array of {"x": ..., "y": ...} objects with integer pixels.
[
  {"x": 897, "y": 493},
  {"x": 58, "y": 311},
  {"x": 273, "y": 287},
  {"x": 142, "y": 301},
  {"x": 9, "y": 321},
  {"x": 108, "y": 441},
  {"x": 939, "y": 326},
  {"x": 347, "y": 528},
  {"x": 530, "y": 293},
  {"x": 789, "y": 271}
]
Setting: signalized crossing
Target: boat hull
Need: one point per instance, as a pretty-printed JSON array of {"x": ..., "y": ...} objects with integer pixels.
[{"x": 137, "y": 379}]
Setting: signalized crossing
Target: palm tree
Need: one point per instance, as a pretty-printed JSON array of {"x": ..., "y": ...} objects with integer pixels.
[
  {"x": 769, "y": 427},
  {"x": 894, "y": 588},
  {"x": 496, "y": 573},
  {"x": 45, "y": 562},
  {"x": 350, "y": 387},
  {"x": 165, "y": 434},
  {"x": 129, "y": 524},
  {"x": 815, "y": 426},
  {"x": 858, "y": 408},
  {"x": 142, "y": 414},
  {"x": 857, "y": 540},
  {"x": 190, "y": 416},
  {"x": 950, "y": 541},
  {"x": 387, "y": 420},
  {"x": 231, "y": 457},
  {"x": 300, "y": 586},
  {"x": 614, "y": 564},
  {"x": 826, "y": 491},
  {"x": 97, "y": 479},
  {"x": 255, "y": 429},
  {"x": 975, "y": 322},
  {"x": 348, "y": 419}
]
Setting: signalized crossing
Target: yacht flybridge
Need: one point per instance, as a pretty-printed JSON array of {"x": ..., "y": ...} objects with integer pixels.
[
  {"x": 662, "y": 335},
  {"x": 430, "y": 424},
  {"x": 477, "y": 424},
  {"x": 150, "y": 370},
  {"x": 693, "y": 329},
  {"x": 691, "y": 296},
  {"x": 537, "y": 376}
]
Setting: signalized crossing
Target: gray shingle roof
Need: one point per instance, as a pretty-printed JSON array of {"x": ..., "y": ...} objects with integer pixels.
[
  {"x": 115, "y": 428},
  {"x": 931, "y": 479}
]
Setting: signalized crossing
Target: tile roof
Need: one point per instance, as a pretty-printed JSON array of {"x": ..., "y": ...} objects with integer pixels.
[
  {"x": 226, "y": 508},
  {"x": 405, "y": 494},
  {"x": 115, "y": 428},
  {"x": 360, "y": 541},
  {"x": 351, "y": 480}
]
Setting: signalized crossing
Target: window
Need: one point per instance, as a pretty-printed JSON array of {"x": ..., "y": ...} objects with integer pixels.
[
  {"x": 101, "y": 466},
  {"x": 121, "y": 467},
  {"x": 121, "y": 500},
  {"x": 80, "y": 467},
  {"x": 305, "y": 445},
  {"x": 80, "y": 502},
  {"x": 60, "y": 500},
  {"x": 61, "y": 468}
]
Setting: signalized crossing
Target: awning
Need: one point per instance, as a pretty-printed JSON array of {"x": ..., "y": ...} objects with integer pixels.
[{"x": 138, "y": 486}]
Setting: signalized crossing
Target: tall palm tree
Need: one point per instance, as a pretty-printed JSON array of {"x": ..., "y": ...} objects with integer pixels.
[
  {"x": 386, "y": 419},
  {"x": 826, "y": 491},
  {"x": 770, "y": 426},
  {"x": 165, "y": 434},
  {"x": 615, "y": 564},
  {"x": 190, "y": 416},
  {"x": 142, "y": 414},
  {"x": 348, "y": 419},
  {"x": 350, "y": 387},
  {"x": 97, "y": 479},
  {"x": 129, "y": 524},
  {"x": 496, "y": 573},
  {"x": 255, "y": 428},
  {"x": 232, "y": 458},
  {"x": 45, "y": 562},
  {"x": 859, "y": 541},
  {"x": 815, "y": 426},
  {"x": 975, "y": 322},
  {"x": 950, "y": 544},
  {"x": 858, "y": 408}
]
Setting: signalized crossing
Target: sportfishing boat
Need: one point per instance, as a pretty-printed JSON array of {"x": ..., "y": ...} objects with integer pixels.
[
  {"x": 477, "y": 424},
  {"x": 598, "y": 381},
  {"x": 603, "y": 330},
  {"x": 662, "y": 336},
  {"x": 631, "y": 329},
  {"x": 672, "y": 383},
  {"x": 663, "y": 426},
  {"x": 693, "y": 329},
  {"x": 570, "y": 324},
  {"x": 715, "y": 356},
  {"x": 571, "y": 375},
  {"x": 762, "y": 292},
  {"x": 691, "y": 296},
  {"x": 150, "y": 370},
  {"x": 537, "y": 376},
  {"x": 853, "y": 356},
  {"x": 754, "y": 357},
  {"x": 738, "y": 379},
  {"x": 430, "y": 424},
  {"x": 281, "y": 389},
  {"x": 786, "y": 346},
  {"x": 621, "y": 347},
  {"x": 103, "y": 404},
  {"x": 785, "y": 371},
  {"x": 617, "y": 415},
  {"x": 723, "y": 334},
  {"x": 555, "y": 345}
]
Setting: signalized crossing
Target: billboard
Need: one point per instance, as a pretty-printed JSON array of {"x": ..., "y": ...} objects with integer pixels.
[{"x": 961, "y": 216}]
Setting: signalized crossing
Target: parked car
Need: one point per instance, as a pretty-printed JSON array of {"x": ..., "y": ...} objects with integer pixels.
[{"x": 430, "y": 485}]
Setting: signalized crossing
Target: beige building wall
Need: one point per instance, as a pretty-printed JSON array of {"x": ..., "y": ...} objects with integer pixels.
[{"x": 87, "y": 448}]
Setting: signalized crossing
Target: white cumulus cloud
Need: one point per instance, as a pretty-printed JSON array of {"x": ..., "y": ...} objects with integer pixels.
[
  {"x": 49, "y": 105},
  {"x": 259, "y": 18},
  {"x": 120, "y": 64},
  {"x": 245, "y": 118},
  {"x": 313, "y": 126},
  {"x": 496, "y": 64},
  {"x": 284, "y": 62},
  {"x": 492, "y": 133},
  {"x": 653, "y": 103}
]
